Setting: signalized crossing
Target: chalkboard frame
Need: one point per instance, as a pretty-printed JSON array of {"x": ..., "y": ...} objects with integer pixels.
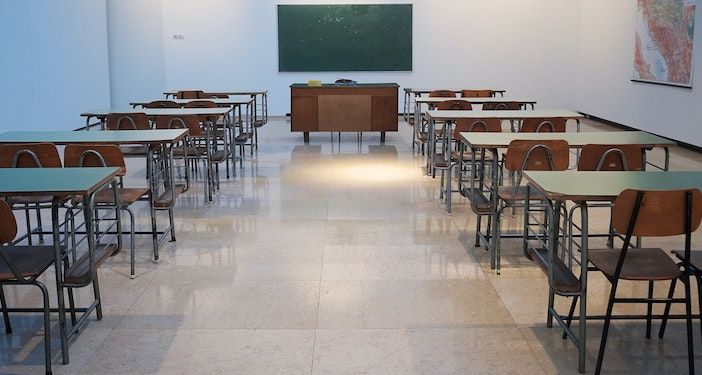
[{"x": 390, "y": 50}]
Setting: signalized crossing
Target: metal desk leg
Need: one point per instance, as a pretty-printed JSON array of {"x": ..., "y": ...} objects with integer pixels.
[
  {"x": 58, "y": 270},
  {"x": 582, "y": 320},
  {"x": 447, "y": 157},
  {"x": 431, "y": 136}
]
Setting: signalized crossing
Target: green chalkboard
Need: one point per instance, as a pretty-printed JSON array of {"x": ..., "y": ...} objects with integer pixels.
[{"x": 314, "y": 38}]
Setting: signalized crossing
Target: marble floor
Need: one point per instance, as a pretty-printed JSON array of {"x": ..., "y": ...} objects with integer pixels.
[{"x": 333, "y": 258}]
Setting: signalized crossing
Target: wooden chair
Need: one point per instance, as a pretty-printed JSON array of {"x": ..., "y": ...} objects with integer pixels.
[
  {"x": 163, "y": 104},
  {"x": 199, "y": 146},
  {"x": 190, "y": 94},
  {"x": 30, "y": 155},
  {"x": 526, "y": 155},
  {"x": 454, "y": 105},
  {"x": 605, "y": 158},
  {"x": 129, "y": 121},
  {"x": 543, "y": 125},
  {"x": 477, "y": 93},
  {"x": 23, "y": 265},
  {"x": 639, "y": 213},
  {"x": 420, "y": 135},
  {"x": 225, "y": 132},
  {"x": 82, "y": 155},
  {"x": 502, "y": 106},
  {"x": 611, "y": 158}
]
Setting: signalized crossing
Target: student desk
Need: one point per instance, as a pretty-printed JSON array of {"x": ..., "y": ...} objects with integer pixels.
[
  {"x": 362, "y": 107},
  {"x": 162, "y": 186},
  {"x": 60, "y": 183},
  {"x": 260, "y": 112},
  {"x": 152, "y": 112},
  {"x": 559, "y": 187},
  {"x": 523, "y": 103},
  {"x": 448, "y": 116},
  {"x": 483, "y": 194},
  {"x": 249, "y": 131},
  {"x": 411, "y": 95}
]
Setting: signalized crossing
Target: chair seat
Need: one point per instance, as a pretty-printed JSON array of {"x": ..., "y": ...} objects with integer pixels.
[
  {"x": 189, "y": 151},
  {"x": 127, "y": 196},
  {"x": 640, "y": 264},
  {"x": 79, "y": 273},
  {"x": 30, "y": 261},
  {"x": 167, "y": 198},
  {"x": 695, "y": 259},
  {"x": 218, "y": 156},
  {"x": 516, "y": 193}
]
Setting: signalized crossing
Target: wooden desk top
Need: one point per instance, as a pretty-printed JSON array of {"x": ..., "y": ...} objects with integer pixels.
[
  {"x": 574, "y": 139},
  {"x": 131, "y": 137},
  {"x": 239, "y": 92},
  {"x": 605, "y": 186},
  {"x": 443, "y": 115},
  {"x": 426, "y": 99},
  {"x": 457, "y": 91},
  {"x": 53, "y": 181},
  {"x": 159, "y": 111},
  {"x": 235, "y": 101}
]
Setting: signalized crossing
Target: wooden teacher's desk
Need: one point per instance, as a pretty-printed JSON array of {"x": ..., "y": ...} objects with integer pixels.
[{"x": 340, "y": 108}]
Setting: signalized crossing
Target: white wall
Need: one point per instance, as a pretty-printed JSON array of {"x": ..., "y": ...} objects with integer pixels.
[
  {"x": 606, "y": 64},
  {"x": 54, "y": 63},
  {"x": 528, "y": 47},
  {"x": 137, "y": 67}
]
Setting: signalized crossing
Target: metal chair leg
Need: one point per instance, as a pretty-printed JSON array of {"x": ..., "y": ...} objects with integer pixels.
[
  {"x": 477, "y": 230},
  {"x": 5, "y": 313},
  {"x": 96, "y": 295},
  {"x": 664, "y": 321},
  {"x": 688, "y": 312},
  {"x": 47, "y": 327},
  {"x": 170, "y": 218},
  {"x": 649, "y": 310},
  {"x": 132, "y": 244},
  {"x": 605, "y": 329},
  {"x": 39, "y": 226},
  {"x": 570, "y": 316}
]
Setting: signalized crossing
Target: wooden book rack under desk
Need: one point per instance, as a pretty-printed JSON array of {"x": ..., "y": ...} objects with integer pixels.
[{"x": 344, "y": 108}]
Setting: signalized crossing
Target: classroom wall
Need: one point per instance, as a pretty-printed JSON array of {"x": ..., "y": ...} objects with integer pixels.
[
  {"x": 137, "y": 67},
  {"x": 606, "y": 65},
  {"x": 528, "y": 47},
  {"x": 54, "y": 63}
]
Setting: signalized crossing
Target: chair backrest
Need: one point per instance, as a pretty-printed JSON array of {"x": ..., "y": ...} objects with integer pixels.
[
  {"x": 493, "y": 125},
  {"x": 99, "y": 155},
  {"x": 442, "y": 94},
  {"x": 190, "y": 122},
  {"x": 190, "y": 94},
  {"x": 454, "y": 105},
  {"x": 502, "y": 106},
  {"x": 477, "y": 93},
  {"x": 8, "y": 223},
  {"x": 543, "y": 125},
  {"x": 29, "y": 155},
  {"x": 163, "y": 104},
  {"x": 657, "y": 213},
  {"x": 201, "y": 104},
  {"x": 127, "y": 121},
  {"x": 537, "y": 155},
  {"x": 611, "y": 158}
]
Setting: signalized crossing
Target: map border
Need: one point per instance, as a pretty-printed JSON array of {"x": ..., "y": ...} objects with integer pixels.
[{"x": 667, "y": 83}]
